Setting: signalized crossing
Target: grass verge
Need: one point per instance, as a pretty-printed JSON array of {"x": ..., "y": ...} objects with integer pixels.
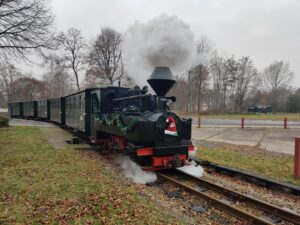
[
  {"x": 279, "y": 167},
  {"x": 42, "y": 185}
]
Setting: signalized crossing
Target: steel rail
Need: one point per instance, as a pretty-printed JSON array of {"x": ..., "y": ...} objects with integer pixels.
[
  {"x": 230, "y": 209},
  {"x": 251, "y": 178},
  {"x": 264, "y": 206}
]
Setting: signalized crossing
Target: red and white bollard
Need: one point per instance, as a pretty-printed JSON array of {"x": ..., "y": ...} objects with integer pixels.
[
  {"x": 199, "y": 121},
  {"x": 297, "y": 158},
  {"x": 285, "y": 123},
  {"x": 242, "y": 122}
]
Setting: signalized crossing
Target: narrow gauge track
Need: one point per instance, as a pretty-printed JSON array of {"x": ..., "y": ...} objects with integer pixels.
[
  {"x": 227, "y": 206},
  {"x": 251, "y": 178}
]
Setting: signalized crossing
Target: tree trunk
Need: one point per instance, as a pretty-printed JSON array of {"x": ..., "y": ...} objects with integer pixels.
[
  {"x": 77, "y": 82},
  {"x": 76, "y": 76},
  {"x": 188, "y": 93},
  {"x": 199, "y": 96}
]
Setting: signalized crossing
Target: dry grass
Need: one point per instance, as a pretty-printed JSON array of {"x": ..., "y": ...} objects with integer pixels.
[
  {"x": 42, "y": 185},
  {"x": 276, "y": 166}
]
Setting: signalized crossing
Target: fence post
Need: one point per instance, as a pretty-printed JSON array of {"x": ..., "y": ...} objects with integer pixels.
[
  {"x": 199, "y": 121},
  {"x": 242, "y": 122},
  {"x": 285, "y": 123},
  {"x": 297, "y": 158}
]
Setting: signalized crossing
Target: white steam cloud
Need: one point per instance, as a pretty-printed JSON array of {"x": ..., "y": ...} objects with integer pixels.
[
  {"x": 162, "y": 41},
  {"x": 133, "y": 171},
  {"x": 193, "y": 169}
]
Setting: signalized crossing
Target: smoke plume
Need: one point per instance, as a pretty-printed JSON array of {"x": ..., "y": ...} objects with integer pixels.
[
  {"x": 162, "y": 41},
  {"x": 193, "y": 169},
  {"x": 133, "y": 171}
]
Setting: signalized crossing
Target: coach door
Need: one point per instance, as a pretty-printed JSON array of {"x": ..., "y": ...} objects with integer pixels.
[{"x": 95, "y": 115}]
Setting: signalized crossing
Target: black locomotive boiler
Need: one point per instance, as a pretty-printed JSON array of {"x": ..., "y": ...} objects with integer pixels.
[{"x": 130, "y": 120}]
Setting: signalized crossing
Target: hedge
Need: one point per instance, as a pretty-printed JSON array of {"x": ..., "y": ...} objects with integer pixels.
[{"x": 3, "y": 121}]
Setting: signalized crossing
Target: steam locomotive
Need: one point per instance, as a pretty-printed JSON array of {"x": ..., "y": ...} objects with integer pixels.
[{"x": 129, "y": 120}]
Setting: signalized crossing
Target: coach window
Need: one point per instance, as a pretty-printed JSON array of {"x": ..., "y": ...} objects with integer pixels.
[
  {"x": 74, "y": 102},
  {"x": 95, "y": 103}
]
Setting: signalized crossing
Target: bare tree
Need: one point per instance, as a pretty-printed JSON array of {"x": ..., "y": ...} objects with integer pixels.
[
  {"x": 94, "y": 79},
  {"x": 57, "y": 78},
  {"x": 228, "y": 78},
  {"x": 127, "y": 81},
  {"x": 277, "y": 77},
  {"x": 74, "y": 48},
  {"x": 245, "y": 78},
  {"x": 27, "y": 89},
  {"x": 25, "y": 26},
  {"x": 105, "y": 55},
  {"x": 195, "y": 81},
  {"x": 216, "y": 73},
  {"x": 200, "y": 72},
  {"x": 222, "y": 84},
  {"x": 223, "y": 78},
  {"x": 181, "y": 99},
  {"x": 198, "y": 83},
  {"x": 8, "y": 74}
]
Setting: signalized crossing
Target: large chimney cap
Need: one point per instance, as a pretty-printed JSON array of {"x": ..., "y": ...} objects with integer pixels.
[{"x": 161, "y": 80}]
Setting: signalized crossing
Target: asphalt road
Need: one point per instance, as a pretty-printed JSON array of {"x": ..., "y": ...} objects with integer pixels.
[{"x": 237, "y": 123}]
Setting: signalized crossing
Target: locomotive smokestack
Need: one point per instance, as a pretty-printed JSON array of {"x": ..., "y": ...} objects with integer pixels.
[{"x": 161, "y": 80}]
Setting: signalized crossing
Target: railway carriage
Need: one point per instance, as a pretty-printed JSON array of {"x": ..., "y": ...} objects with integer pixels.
[
  {"x": 43, "y": 108},
  {"x": 78, "y": 111},
  {"x": 57, "y": 110},
  {"x": 15, "y": 109},
  {"x": 30, "y": 109}
]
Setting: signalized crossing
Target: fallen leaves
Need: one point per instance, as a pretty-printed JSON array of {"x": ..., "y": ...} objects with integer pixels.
[{"x": 41, "y": 185}]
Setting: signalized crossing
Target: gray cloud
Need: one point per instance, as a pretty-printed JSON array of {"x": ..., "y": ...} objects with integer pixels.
[{"x": 266, "y": 30}]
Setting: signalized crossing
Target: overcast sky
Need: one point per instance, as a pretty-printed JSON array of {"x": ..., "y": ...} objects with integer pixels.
[{"x": 265, "y": 30}]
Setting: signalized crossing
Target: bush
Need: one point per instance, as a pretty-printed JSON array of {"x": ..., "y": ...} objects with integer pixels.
[{"x": 3, "y": 121}]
